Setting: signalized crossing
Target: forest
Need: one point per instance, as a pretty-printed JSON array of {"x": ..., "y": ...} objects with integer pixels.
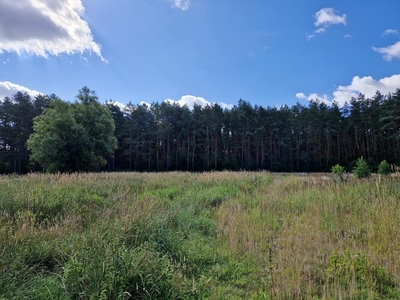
[{"x": 167, "y": 137}]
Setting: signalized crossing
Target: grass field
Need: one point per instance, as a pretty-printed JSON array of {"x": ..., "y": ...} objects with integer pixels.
[{"x": 228, "y": 235}]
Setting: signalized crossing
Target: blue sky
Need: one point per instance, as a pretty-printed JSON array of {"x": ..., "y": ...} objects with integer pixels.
[{"x": 269, "y": 53}]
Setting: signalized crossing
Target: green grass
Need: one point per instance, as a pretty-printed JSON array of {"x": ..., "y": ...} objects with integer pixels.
[{"x": 198, "y": 236}]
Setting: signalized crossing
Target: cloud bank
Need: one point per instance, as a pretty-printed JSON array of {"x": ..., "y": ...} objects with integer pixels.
[
  {"x": 7, "y": 89},
  {"x": 45, "y": 27},
  {"x": 365, "y": 85},
  {"x": 190, "y": 101},
  {"x": 187, "y": 100}
]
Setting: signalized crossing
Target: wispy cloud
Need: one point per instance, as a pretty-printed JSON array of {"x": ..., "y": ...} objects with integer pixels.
[
  {"x": 43, "y": 28},
  {"x": 389, "y": 52},
  {"x": 365, "y": 85},
  {"x": 181, "y": 4},
  {"x": 348, "y": 36},
  {"x": 390, "y": 31},
  {"x": 309, "y": 36},
  {"x": 7, "y": 89},
  {"x": 320, "y": 30}
]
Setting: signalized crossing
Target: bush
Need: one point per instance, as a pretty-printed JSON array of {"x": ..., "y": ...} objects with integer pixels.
[
  {"x": 338, "y": 169},
  {"x": 384, "y": 168},
  {"x": 361, "y": 169}
]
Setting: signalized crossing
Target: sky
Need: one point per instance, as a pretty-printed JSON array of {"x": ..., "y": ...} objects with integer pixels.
[{"x": 267, "y": 52}]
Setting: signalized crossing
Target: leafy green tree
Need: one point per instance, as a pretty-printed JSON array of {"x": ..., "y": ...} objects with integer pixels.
[
  {"x": 73, "y": 137},
  {"x": 384, "y": 168},
  {"x": 361, "y": 169},
  {"x": 99, "y": 125}
]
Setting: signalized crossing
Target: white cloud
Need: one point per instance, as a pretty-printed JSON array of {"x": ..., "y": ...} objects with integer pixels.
[
  {"x": 301, "y": 96},
  {"x": 116, "y": 103},
  {"x": 347, "y": 36},
  {"x": 389, "y": 52},
  {"x": 390, "y": 31},
  {"x": 266, "y": 47},
  {"x": 324, "y": 98},
  {"x": 190, "y": 101},
  {"x": 45, "y": 27},
  {"x": 143, "y": 103},
  {"x": 7, "y": 89},
  {"x": 252, "y": 53},
  {"x": 365, "y": 85},
  {"x": 225, "y": 105},
  {"x": 124, "y": 107},
  {"x": 324, "y": 18},
  {"x": 327, "y": 16},
  {"x": 181, "y": 4}
]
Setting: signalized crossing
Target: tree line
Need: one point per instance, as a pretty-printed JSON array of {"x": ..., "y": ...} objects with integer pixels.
[{"x": 167, "y": 137}]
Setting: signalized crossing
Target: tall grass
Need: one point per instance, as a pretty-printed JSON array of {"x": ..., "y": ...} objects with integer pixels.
[{"x": 198, "y": 236}]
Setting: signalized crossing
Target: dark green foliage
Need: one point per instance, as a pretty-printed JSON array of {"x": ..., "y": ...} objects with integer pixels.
[
  {"x": 384, "y": 168},
  {"x": 361, "y": 169},
  {"x": 167, "y": 137},
  {"x": 16, "y": 115}
]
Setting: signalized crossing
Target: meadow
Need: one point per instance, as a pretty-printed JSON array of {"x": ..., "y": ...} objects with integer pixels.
[{"x": 225, "y": 235}]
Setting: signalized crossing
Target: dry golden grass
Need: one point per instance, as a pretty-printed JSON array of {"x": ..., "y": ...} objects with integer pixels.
[{"x": 303, "y": 220}]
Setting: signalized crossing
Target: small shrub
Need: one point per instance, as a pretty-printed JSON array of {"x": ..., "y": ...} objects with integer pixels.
[
  {"x": 337, "y": 170},
  {"x": 384, "y": 168},
  {"x": 361, "y": 169}
]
